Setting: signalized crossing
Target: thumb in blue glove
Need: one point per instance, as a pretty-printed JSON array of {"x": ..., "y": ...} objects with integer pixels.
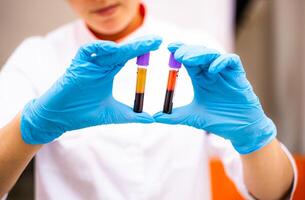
[
  {"x": 82, "y": 97},
  {"x": 224, "y": 102}
]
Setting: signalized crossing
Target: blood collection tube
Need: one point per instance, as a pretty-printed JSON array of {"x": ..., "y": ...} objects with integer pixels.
[
  {"x": 142, "y": 62},
  {"x": 174, "y": 67}
]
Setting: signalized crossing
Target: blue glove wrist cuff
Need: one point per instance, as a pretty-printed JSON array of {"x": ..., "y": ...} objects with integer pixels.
[
  {"x": 262, "y": 133},
  {"x": 31, "y": 125}
]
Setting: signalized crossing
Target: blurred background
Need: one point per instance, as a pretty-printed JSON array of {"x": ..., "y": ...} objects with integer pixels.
[{"x": 269, "y": 35}]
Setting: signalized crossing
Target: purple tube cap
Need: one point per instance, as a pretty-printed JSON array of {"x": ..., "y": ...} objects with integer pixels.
[
  {"x": 143, "y": 60},
  {"x": 173, "y": 63}
]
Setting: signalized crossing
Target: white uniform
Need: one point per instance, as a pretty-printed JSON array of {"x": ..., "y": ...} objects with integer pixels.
[{"x": 117, "y": 162}]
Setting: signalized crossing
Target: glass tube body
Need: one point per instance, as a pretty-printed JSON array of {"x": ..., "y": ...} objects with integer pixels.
[
  {"x": 170, "y": 89},
  {"x": 140, "y": 89}
]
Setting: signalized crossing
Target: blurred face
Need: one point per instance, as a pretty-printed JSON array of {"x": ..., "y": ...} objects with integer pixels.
[{"x": 106, "y": 17}]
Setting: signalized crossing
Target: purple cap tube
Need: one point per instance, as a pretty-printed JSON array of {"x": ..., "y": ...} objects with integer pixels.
[
  {"x": 143, "y": 60},
  {"x": 173, "y": 63}
]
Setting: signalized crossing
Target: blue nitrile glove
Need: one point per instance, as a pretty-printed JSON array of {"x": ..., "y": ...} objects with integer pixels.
[
  {"x": 82, "y": 97},
  {"x": 224, "y": 102}
]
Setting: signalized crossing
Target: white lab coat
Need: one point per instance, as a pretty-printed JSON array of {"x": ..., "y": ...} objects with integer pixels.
[{"x": 117, "y": 162}]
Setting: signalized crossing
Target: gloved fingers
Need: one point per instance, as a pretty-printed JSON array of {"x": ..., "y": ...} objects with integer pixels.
[
  {"x": 96, "y": 49},
  {"x": 192, "y": 70},
  {"x": 133, "y": 117},
  {"x": 133, "y": 49},
  {"x": 229, "y": 61},
  {"x": 139, "y": 47},
  {"x": 125, "y": 114},
  {"x": 201, "y": 56},
  {"x": 230, "y": 68},
  {"x": 142, "y": 117},
  {"x": 179, "y": 115},
  {"x": 194, "y": 58},
  {"x": 172, "y": 47}
]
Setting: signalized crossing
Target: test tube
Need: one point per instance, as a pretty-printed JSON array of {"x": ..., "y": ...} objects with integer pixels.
[
  {"x": 174, "y": 67},
  {"x": 142, "y": 62}
]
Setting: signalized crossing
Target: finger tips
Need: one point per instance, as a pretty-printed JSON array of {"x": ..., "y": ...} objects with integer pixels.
[
  {"x": 180, "y": 53},
  {"x": 99, "y": 48},
  {"x": 161, "y": 117},
  {"x": 158, "y": 114},
  {"x": 196, "y": 55},
  {"x": 145, "y": 120},
  {"x": 172, "y": 47},
  {"x": 150, "y": 42},
  {"x": 153, "y": 39},
  {"x": 140, "y": 46},
  {"x": 225, "y": 61},
  {"x": 134, "y": 117},
  {"x": 145, "y": 117},
  {"x": 235, "y": 59},
  {"x": 107, "y": 47},
  {"x": 176, "y": 117},
  {"x": 218, "y": 65}
]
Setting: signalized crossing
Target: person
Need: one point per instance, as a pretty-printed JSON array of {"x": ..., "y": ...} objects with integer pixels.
[{"x": 105, "y": 156}]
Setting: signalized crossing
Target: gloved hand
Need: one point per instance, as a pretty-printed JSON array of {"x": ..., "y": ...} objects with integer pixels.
[
  {"x": 224, "y": 102},
  {"x": 82, "y": 97}
]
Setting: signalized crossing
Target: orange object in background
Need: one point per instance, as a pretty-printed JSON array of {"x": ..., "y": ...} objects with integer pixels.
[
  {"x": 224, "y": 189},
  {"x": 300, "y": 190}
]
